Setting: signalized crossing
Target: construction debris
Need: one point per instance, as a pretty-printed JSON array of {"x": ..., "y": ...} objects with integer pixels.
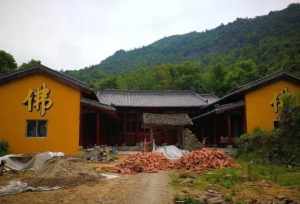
[
  {"x": 63, "y": 172},
  {"x": 203, "y": 159},
  {"x": 21, "y": 162},
  {"x": 99, "y": 153},
  {"x": 15, "y": 187},
  {"x": 65, "y": 168},
  {"x": 190, "y": 141},
  {"x": 143, "y": 162},
  {"x": 198, "y": 161}
]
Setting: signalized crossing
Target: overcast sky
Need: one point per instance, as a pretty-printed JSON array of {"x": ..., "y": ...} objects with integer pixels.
[{"x": 72, "y": 34}]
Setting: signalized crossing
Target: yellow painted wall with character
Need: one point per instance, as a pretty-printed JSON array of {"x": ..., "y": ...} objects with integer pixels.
[
  {"x": 28, "y": 99},
  {"x": 261, "y": 112}
]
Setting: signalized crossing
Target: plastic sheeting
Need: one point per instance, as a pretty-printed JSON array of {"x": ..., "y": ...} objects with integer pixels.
[
  {"x": 20, "y": 162},
  {"x": 15, "y": 187},
  {"x": 171, "y": 152}
]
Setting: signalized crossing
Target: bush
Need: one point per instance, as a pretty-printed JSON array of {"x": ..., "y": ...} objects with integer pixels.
[
  {"x": 3, "y": 147},
  {"x": 251, "y": 142}
]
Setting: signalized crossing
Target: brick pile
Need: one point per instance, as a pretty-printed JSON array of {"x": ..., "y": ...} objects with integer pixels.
[
  {"x": 149, "y": 162},
  {"x": 204, "y": 159},
  {"x": 197, "y": 160}
]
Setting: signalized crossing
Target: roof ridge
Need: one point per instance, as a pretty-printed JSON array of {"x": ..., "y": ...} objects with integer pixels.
[
  {"x": 44, "y": 69},
  {"x": 126, "y": 91},
  {"x": 258, "y": 82},
  {"x": 271, "y": 75}
]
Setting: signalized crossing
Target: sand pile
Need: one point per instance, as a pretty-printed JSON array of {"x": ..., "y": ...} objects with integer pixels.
[{"x": 64, "y": 172}]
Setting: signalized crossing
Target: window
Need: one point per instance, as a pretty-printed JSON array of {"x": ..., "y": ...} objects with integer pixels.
[{"x": 36, "y": 128}]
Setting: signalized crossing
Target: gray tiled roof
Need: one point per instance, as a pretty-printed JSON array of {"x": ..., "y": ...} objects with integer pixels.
[
  {"x": 177, "y": 119},
  {"x": 281, "y": 75},
  {"x": 210, "y": 97},
  {"x": 142, "y": 98}
]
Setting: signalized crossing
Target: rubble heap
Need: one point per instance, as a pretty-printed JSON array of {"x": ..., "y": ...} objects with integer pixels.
[
  {"x": 190, "y": 141},
  {"x": 198, "y": 161},
  {"x": 143, "y": 162},
  {"x": 203, "y": 159}
]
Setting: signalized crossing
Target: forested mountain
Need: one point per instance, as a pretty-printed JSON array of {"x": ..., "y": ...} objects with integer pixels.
[
  {"x": 217, "y": 60},
  {"x": 244, "y": 47},
  {"x": 242, "y": 33}
]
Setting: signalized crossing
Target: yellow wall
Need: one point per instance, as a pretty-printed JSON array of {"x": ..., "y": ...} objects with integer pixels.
[
  {"x": 63, "y": 116},
  {"x": 259, "y": 112}
]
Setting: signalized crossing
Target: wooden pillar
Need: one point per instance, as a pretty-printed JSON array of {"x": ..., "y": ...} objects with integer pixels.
[
  {"x": 215, "y": 128},
  {"x": 98, "y": 128},
  {"x": 181, "y": 129},
  {"x": 229, "y": 133},
  {"x": 81, "y": 135},
  {"x": 244, "y": 118},
  {"x": 124, "y": 135}
]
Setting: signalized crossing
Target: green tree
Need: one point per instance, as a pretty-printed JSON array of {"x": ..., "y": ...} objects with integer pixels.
[
  {"x": 31, "y": 64},
  {"x": 240, "y": 73},
  {"x": 7, "y": 62}
]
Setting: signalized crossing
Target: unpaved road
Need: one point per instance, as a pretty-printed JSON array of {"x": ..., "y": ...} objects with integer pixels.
[
  {"x": 135, "y": 189},
  {"x": 144, "y": 188}
]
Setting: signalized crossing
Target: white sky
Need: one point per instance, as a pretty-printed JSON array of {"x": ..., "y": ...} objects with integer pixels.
[{"x": 72, "y": 34}]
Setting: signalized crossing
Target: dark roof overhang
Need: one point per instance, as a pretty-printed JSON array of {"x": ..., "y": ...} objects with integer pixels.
[
  {"x": 96, "y": 104},
  {"x": 221, "y": 109},
  {"x": 242, "y": 90},
  {"x": 41, "y": 69}
]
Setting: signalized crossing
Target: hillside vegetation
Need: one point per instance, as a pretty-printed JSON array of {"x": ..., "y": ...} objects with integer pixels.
[{"x": 217, "y": 60}]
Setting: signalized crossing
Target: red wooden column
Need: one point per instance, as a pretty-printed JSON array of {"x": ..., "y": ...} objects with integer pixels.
[
  {"x": 81, "y": 128},
  {"x": 244, "y": 118},
  {"x": 215, "y": 128},
  {"x": 98, "y": 128},
  {"x": 230, "y": 139}
]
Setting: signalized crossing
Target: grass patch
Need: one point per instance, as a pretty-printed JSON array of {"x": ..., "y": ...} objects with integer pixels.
[
  {"x": 228, "y": 177},
  {"x": 282, "y": 175}
]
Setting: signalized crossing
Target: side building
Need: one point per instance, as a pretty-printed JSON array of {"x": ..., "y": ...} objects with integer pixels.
[
  {"x": 253, "y": 105},
  {"x": 43, "y": 110}
]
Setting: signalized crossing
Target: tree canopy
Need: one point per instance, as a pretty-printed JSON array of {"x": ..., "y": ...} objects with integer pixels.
[
  {"x": 31, "y": 64},
  {"x": 216, "y": 61},
  {"x": 7, "y": 62}
]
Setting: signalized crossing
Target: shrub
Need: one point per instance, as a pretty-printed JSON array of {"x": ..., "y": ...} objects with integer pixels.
[{"x": 3, "y": 147}]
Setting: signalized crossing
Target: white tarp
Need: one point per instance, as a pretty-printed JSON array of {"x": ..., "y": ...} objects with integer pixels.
[
  {"x": 20, "y": 162},
  {"x": 171, "y": 152},
  {"x": 15, "y": 187},
  {"x": 109, "y": 176}
]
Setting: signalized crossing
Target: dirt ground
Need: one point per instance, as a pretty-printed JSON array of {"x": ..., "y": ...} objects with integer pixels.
[{"x": 151, "y": 188}]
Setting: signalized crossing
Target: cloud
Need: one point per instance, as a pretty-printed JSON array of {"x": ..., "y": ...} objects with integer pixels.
[{"x": 72, "y": 34}]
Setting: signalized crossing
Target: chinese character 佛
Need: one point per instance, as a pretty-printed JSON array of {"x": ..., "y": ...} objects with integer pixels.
[
  {"x": 38, "y": 99},
  {"x": 277, "y": 100}
]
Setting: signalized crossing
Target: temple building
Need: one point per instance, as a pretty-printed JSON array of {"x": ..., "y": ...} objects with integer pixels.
[{"x": 46, "y": 110}]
